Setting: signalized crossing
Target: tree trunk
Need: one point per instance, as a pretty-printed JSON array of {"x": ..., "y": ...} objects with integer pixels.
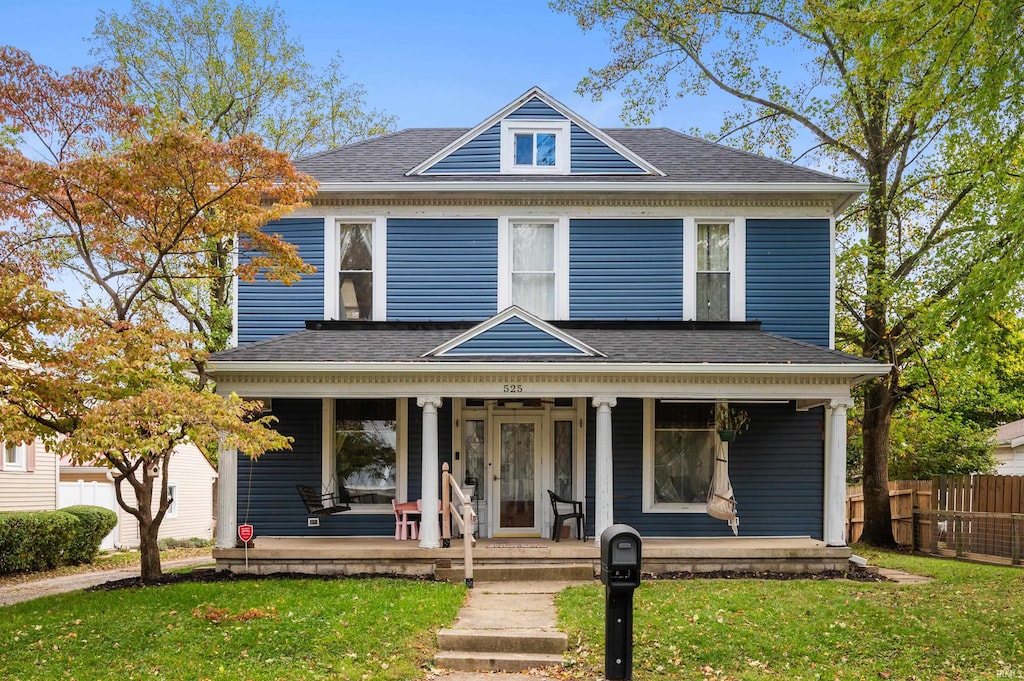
[
  {"x": 149, "y": 530},
  {"x": 878, "y": 406},
  {"x": 150, "y": 550}
]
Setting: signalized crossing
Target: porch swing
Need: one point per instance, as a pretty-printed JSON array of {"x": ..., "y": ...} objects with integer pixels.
[{"x": 721, "y": 498}]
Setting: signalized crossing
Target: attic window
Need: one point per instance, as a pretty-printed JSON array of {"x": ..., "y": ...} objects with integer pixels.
[{"x": 535, "y": 147}]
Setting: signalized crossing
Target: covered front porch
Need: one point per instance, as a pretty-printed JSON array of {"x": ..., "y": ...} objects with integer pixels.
[{"x": 526, "y": 558}]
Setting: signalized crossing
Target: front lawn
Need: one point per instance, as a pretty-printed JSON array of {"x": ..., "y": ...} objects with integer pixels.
[
  {"x": 266, "y": 629},
  {"x": 967, "y": 624}
]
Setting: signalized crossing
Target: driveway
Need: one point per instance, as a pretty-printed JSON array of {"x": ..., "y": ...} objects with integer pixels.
[{"x": 27, "y": 591}]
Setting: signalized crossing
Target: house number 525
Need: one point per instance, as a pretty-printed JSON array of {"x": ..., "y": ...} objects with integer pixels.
[{"x": 513, "y": 387}]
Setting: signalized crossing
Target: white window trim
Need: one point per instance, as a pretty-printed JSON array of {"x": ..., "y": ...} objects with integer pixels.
[
  {"x": 737, "y": 266},
  {"x": 332, "y": 260},
  {"x": 172, "y": 495},
  {"x": 561, "y": 261},
  {"x": 648, "y": 470},
  {"x": 20, "y": 464},
  {"x": 509, "y": 128},
  {"x": 328, "y": 464}
]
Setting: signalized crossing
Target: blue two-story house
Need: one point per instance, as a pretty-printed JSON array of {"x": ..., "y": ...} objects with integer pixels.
[{"x": 546, "y": 305}]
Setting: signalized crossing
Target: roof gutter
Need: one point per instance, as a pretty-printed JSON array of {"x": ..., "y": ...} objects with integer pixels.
[
  {"x": 857, "y": 372},
  {"x": 846, "y": 188}
]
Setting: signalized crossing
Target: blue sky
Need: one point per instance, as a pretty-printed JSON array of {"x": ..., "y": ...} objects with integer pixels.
[{"x": 431, "y": 63}]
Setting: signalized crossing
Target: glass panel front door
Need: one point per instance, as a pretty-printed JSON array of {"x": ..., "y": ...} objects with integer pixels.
[{"x": 518, "y": 449}]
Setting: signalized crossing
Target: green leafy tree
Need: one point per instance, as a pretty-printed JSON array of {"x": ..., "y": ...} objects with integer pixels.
[
  {"x": 91, "y": 190},
  {"x": 921, "y": 100},
  {"x": 232, "y": 69}
]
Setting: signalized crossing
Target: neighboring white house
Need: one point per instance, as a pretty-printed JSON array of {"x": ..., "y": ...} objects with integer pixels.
[
  {"x": 28, "y": 477},
  {"x": 190, "y": 488},
  {"x": 1010, "y": 448}
]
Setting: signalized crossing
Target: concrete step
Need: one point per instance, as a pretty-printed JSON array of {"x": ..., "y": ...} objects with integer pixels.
[
  {"x": 494, "y": 662},
  {"x": 502, "y": 641},
  {"x": 526, "y": 572}
]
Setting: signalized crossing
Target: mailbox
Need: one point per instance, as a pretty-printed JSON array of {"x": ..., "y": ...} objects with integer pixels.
[
  {"x": 620, "y": 557},
  {"x": 620, "y": 572}
]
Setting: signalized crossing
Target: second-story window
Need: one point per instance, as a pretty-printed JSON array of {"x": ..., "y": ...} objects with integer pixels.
[
  {"x": 355, "y": 265},
  {"x": 713, "y": 276},
  {"x": 533, "y": 267}
]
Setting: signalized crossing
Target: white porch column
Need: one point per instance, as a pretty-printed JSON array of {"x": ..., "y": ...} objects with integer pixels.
[
  {"x": 834, "y": 530},
  {"x": 430, "y": 531},
  {"x": 227, "y": 496},
  {"x": 603, "y": 512}
]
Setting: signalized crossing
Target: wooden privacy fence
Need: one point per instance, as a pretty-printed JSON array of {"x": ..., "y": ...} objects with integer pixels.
[
  {"x": 979, "y": 516},
  {"x": 905, "y": 496}
]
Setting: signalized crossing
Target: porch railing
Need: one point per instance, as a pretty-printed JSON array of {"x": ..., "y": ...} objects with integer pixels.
[{"x": 463, "y": 514}]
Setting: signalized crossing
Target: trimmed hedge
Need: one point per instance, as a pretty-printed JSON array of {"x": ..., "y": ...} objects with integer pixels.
[
  {"x": 95, "y": 523},
  {"x": 31, "y": 541}
]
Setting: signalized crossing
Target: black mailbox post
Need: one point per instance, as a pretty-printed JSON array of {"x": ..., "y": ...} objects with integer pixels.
[{"x": 620, "y": 573}]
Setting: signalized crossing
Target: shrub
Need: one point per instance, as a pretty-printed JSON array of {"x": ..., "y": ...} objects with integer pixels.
[
  {"x": 191, "y": 543},
  {"x": 95, "y": 523},
  {"x": 35, "y": 540}
]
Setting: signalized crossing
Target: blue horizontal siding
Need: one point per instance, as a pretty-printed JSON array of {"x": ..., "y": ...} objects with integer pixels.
[
  {"x": 776, "y": 468},
  {"x": 788, "y": 277},
  {"x": 626, "y": 269},
  {"x": 514, "y": 337},
  {"x": 482, "y": 154},
  {"x": 535, "y": 108},
  {"x": 442, "y": 269},
  {"x": 591, "y": 155},
  {"x": 267, "y": 309},
  {"x": 267, "y": 497}
]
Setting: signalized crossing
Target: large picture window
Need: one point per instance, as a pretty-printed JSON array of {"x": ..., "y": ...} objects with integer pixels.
[
  {"x": 679, "y": 460},
  {"x": 365, "y": 446}
]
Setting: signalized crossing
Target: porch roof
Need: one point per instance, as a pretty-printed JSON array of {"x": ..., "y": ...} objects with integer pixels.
[{"x": 625, "y": 343}]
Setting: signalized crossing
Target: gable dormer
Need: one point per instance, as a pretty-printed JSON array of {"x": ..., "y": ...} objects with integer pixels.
[{"x": 535, "y": 135}]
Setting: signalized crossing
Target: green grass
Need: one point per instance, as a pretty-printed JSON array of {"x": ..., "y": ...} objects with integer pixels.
[
  {"x": 269, "y": 629},
  {"x": 107, "y": 561},
  {"x": 967, "y": 624}
]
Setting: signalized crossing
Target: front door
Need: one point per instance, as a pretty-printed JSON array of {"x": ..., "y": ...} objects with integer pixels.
[{"x": 517, "y": 481}]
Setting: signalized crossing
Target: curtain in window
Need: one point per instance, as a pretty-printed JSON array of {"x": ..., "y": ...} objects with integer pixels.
[
  {"x": 356, "y": 270},
  {"x": 533, "y": 268},
  {"x": 713, "y": 272}
]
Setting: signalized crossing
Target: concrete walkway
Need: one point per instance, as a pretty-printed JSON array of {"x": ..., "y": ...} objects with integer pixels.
[
  {"x": 511, "y": 612},
  {"x": 27, "y": 591}
]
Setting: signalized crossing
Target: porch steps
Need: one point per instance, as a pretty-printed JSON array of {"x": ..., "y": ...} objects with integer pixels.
[
  {"x": 504, "y": 627},
  {"x": 518, "y": 572}
]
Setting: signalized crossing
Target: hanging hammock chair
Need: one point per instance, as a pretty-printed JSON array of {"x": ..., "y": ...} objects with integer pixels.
[{"x": 721, "y": 499}]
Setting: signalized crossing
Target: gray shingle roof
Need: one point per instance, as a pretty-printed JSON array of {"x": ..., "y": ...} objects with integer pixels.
[
  {"x": 681, "y": 157},
  {"x": 650, "y": 342}
]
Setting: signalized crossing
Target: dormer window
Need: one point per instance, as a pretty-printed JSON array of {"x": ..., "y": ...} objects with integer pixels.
[{"x": 532, "y": 147}]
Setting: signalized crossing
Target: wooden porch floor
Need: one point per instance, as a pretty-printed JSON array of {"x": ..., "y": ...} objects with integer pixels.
[{"x": 378, "y": 555}]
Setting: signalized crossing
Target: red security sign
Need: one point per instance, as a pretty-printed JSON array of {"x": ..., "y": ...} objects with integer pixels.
[{"x": 245, "y": 532}]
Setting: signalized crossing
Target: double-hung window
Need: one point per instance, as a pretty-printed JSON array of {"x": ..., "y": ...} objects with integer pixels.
[
  {"x": 712, "y": 271},
  {"x": 715, "y": 281},
  {"x": 355, "y": 270},
  {"x": 15, "y": 457},
  {"x": 534, "y": 262},
  {"x": 530, "y": 146},
  {"x": 679, "y": 455}
]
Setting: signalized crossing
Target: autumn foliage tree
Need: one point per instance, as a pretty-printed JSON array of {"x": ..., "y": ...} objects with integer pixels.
[
  {"x": 922, "y": 100},
  {"x": 108, "y": 221}
]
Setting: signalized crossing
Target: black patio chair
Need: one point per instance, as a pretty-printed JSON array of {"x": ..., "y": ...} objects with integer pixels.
[
  {"x": 322, "y": 504},
  {"x": 565, "y": 509}
]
